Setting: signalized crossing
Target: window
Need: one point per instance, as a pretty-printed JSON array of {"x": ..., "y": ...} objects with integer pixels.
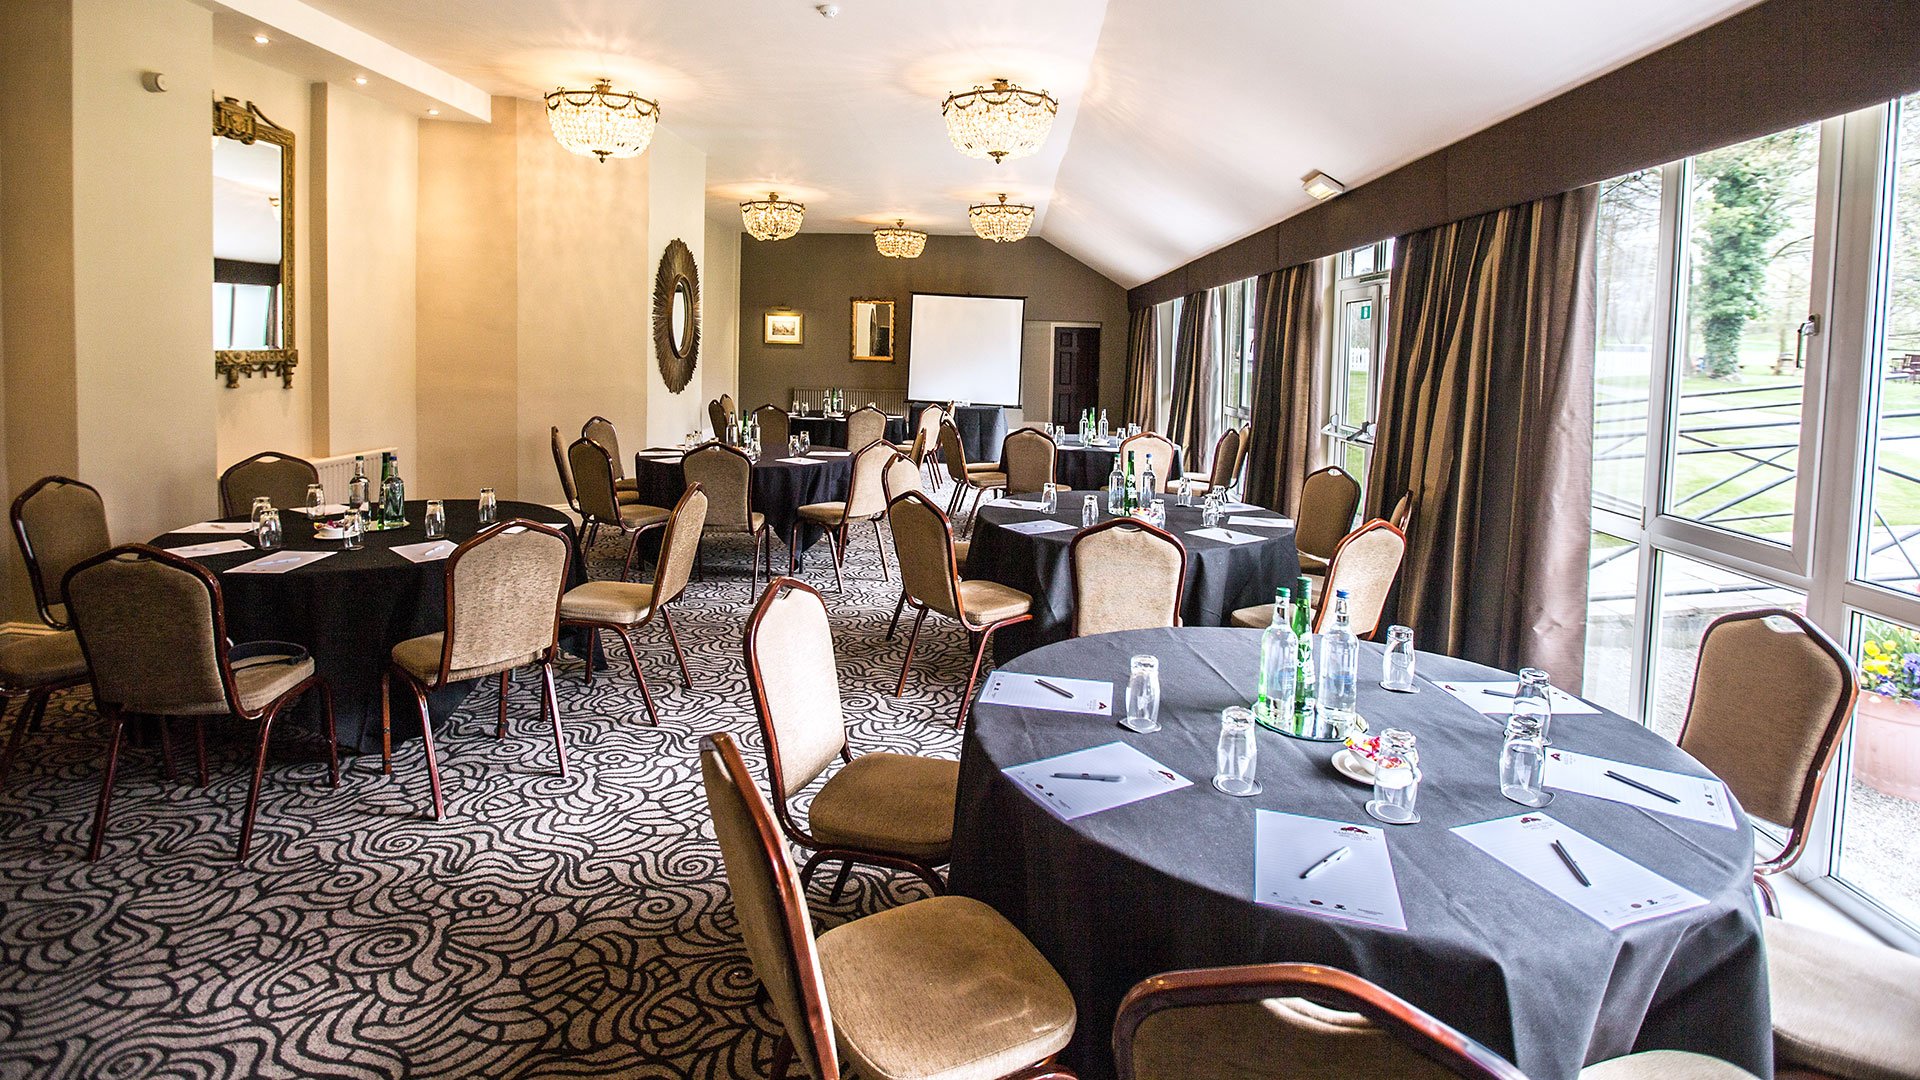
[
  {"x": 1891, "y": 555},
  {"x": 243, "y": 316},
  {"x": 1627, "y": 255},
  {"x": 1360, "y": 329},
  {"x": 1234, "y": 328},
  {"x": 1167, "y": 330}
]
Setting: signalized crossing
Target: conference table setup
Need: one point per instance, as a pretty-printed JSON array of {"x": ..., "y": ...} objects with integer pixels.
[
  {"x": 1086, "y": 465},
  {"x": 783, "y": 482},
  {"x": 1618, "y": 916}
]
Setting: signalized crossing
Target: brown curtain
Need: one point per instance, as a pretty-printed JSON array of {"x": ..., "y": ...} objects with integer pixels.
[
  {"x": 1486, "y": 417},
  {"x": 1190, "y": 417},
  {"x": 1286, "y": 342},
  {"x": 1143, "y": 351}
]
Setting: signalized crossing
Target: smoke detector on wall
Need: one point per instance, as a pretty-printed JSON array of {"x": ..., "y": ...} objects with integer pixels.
[{"x": 827, "y": 11}]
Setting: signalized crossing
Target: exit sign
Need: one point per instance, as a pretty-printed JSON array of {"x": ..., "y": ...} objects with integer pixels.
[{"x": 1366, "y": 311}]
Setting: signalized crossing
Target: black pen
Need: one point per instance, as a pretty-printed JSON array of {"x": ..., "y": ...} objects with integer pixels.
[
  {"x": 1632, "y": 783},
  {"x": 1499, "y": 693},
  {"x": 1062, "y": 691},
  {"x": 1578, "y": 874},
  {"x": 1102, "y": 777}
]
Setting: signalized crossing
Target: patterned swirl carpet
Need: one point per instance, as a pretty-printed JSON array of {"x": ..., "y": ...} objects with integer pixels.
[{"x": 545, "y": 928}]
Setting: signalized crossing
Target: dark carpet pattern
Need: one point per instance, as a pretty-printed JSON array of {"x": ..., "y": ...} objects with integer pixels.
[{"x": 545, "y": 928}]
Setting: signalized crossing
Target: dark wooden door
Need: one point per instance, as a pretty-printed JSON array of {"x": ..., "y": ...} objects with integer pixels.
[{"x": 1076, "y": 371}]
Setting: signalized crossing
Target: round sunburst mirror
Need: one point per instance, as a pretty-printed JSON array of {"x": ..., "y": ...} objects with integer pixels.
[{"x": 676, "y": 315}]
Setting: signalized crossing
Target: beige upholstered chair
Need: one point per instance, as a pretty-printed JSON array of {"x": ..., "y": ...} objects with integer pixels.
[
  {"x": 1328, "y": 500},
  {"x": 154, "y": 629},
  {"x": 902, "y": 476},
  {"x": 893, "y": 810},
  {"x": 58, "y": 523},
  {"x": 601, "y": 503},
  {"x": 1365, "y": 563},
  {"x": 561, "y": 467},
  {"x": 774, "y": 428},
  {"x": 1844, "y": 1009},
  {"x": 942, "y": 987},
  {"x": 1160, "y": 448},
  {"x": 728, "y": 408},
  {"x": 866, "y": 501},
  {"x": 717, "y": 418},
  {"x": 1772, "y": 695},
  {"x": 965, "y": 477},
  {"x": 626, "y": 606},
  {"x": 1324, "y": 1024},
  {"x": 865, "y": 424},
  {"x": 926, "y": 441},
  {"x": 600, "y": 430},
  {"x": 1226, "y": 464},
  {"x": 726, "y": 473},
  {"x": 280, "y": 477},
  {"x": 503, "y": 612},
  {"x": 1402, "y": 515},
  {"x": 929, "y": 568},
  {"x": 1028, "y": 456},
  {"x": 1127, "y": 575}
]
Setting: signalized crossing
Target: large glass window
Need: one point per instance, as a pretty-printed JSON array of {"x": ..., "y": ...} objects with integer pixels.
[
  {"x": 1879, "y": 834},
  {"x": 1235, "y": 330},
  {"x": 1360, "y": 335},
  {"x": 1892, "y": 551},
  {"x": 1627, "y": 258}
]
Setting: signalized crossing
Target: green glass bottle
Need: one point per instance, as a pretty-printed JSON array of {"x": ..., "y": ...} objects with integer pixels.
[
  {"x": 1304, "y": 680},
  {"x": 393, "y": 494},
  {"x": 1127, "y": 503}
]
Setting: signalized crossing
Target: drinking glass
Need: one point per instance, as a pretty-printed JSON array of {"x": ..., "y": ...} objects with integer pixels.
[
  {"x": 1143, "y": 695},
  {"x": 1234, "y": 758},
  {"x": 1089, "y": 511},
  {"x": 1049, "y": 499},
  {"x": 261, "y": 505},
  {"x": 1157, "y": 515},
  {"x": 356, "y": 530},
  {"x": 1531, "y": 700},
  {"x": 1396, "y": 779},
  {"x": 806, "y": 443},
  {"x": 793, "y": 446},
  {"x": 1396, "y": 664},
  {"x": 489, "y": 509},
  {"x": 1523, "y": 762},
  {"x": 266, "y": 531},
  {"x": 1210, "y": 511},
  {"x": 316, "y": 498},
  {"x": 1184, "y": 488},
  {"x": 436, "y": 519}
]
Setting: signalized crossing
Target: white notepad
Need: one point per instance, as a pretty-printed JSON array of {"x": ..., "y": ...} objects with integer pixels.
[
  {"x": 1260, "y": 522},
  {"x": 1018, "y": 504},
  {"x": 1068, "y": 797},
  {"x": 1035, "y": 528},
  {"x": 1496, "y": 698},
  {"x": 431, "y": 551},
  {"x": 324, "y": 510},
  {"x": 803, "y": 461},
  {"x": 280, "y": 562},
  {"x": 1025, "y": 692},
  {"x": 218, "y": 527},
  {"x": 1227, "y": 536},
  {"x": 1359, "y": 885},
  {"x": 1621, "y": 892},
  {"x": 1701, "y": 798},
  {"x": 830, "y": 453},
  {"x": 1240, "y": 507},
  {"x": 217, "y": 547},
  {"x": 663, "y": 455}
]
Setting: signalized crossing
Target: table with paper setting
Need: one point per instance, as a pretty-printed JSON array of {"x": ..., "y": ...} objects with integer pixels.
[{"x": 1617, "y": 917}]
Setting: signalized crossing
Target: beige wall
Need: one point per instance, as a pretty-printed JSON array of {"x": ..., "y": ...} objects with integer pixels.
[
  {"x": 720, "y": 308},
  {"x": 676, "y": 210}
]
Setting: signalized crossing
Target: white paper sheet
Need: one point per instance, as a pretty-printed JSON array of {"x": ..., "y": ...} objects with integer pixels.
[
  {"x": 1239, "y": 507},
  {"x": 1360, "y": 887},
  {"x": 1496, "y": 698},
  {"x": 831, "y": 453},
  {"x": 1261, "y": 522},
  {"x": 1140, "y": 777},
  {"x": 280, "y": 562},
  {"x": 1227, "y": 536},
  {"x": 1017, "y": 504},
  {"x": 1025, "y": 692},
  {"x": 217, "y": 547},
  {"x": 1622, "y": 891},
  {"x": 324, "y": 510},
  {"x": 1701, "y": 798},
  {"x": 1035, "y": 528},
  {"x": 234, "y": 527},
  {"x": 803, "y": 461},
  {"x": 431, "y": 551},
  {"x": 663, "y": 455}
]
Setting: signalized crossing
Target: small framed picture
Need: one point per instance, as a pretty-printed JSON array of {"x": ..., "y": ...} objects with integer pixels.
[{"x": 783, "y": 328}]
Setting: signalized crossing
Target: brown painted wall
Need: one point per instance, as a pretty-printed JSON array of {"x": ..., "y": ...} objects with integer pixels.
[{"x": 819, "y": 275}]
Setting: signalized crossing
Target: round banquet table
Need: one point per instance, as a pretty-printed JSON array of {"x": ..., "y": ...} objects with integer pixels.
[
  {"x": 1221, "y": 577},
  {"x": 1166, "y": 883},
  {"x": 350, "y": 609},
  {"x": 982, "y": 429},
  {"x": 780, "y": 487},
  {"x": 1088, "y": 467},
  {"x": 832, "y": 430}
]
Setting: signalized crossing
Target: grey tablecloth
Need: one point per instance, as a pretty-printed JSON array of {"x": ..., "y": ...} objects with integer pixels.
[
  {"x": 1165, "y": 883},
  {"x": 1088, "y": 466},
  {"x": 1221, "y": 577},
  {"x": 780, "y": 488}
]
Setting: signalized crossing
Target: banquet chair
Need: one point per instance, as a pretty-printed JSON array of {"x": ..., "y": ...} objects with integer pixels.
[
  {"x": 726, "y": 473},
  {"x": 58, "y": 523},
  {"x": 1365, "y": 563},
  {"x": 1159, "y": 448},
  {"x": 926, "y": 441},
  {"x": 900, "y": 477},
  {"x": 866, "y": 501},
  {"x": 600, "y": 430},
  {"x": 717, "y": 418},
  {"x": 1402, "y": 515},
  {"x": 891, "y": 810},
  {"x": 626, "y": 606},
  {"x": 153, "y": 627},
  {"x": 929, "y": 568},
  {"x": 280, "y": 477},
  {"x": 1328, "y": 500},
  {"x": 1226, "y": 464},
  {"x": 561, "y": 467},
  {"x": 965, "y": 477},
  {"x": 601, "y": 504},
  {"x": 865, "y": 424},
  {"x": 1772, "y": 695},
  {"x": 1127, "y": 575},
  {"x": 1027, "y": 454},
  {"x": 1308, "y": 1022},
  {"x": 774, "y": 428},
  {"x": 1842, "y": 1009},
  {"x": 941, "y": 987},
  {"x": 728, "y": 408},
  {"x": 503, "y": 591}
]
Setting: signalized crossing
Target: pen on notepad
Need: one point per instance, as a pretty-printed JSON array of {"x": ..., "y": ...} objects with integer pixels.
[
  {"x": 1333, "y": 857},
  {"x": 1632, "y": 783},
  {"x": 1062, "y": 691},
  {"x": 1579, "y": 875},
  {"x": 1105, "y": 778}
]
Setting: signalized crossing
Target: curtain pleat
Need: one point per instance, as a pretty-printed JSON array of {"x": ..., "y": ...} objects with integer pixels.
[
  {"x": 1286, "y": 351},
  {"x": 1190, "y": 417},
  {"x": 1143, "y": 351},
  {"x": 1486, "y": 418}
]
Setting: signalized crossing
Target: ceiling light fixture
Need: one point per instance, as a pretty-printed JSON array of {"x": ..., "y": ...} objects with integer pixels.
[
  {"x": 1321, "y": 186},
  {"x": 259, "y": 39},
  {"x": 772, "y": 218},
  {"x": 360, "y": 80},
  {"x": 433, "y": 112},
  {"x": 1000, "y": 122},
  {"x": 1001, "y": 222},
  {"x": 602, "y": 122},
  {"x": 896, "y": 241}
]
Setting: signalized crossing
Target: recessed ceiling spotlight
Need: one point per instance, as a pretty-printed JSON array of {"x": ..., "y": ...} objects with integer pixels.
[
  {"x": 259, "y": 39},
  {"x": 827, "y": 11},
  {"x": 433, "y": 112},
  {"x": 360, "y": 80},
  {"x": 1321, "y": 186}
]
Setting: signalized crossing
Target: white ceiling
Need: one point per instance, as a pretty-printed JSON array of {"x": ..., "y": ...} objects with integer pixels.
[{"x": 1184, "y": 124}]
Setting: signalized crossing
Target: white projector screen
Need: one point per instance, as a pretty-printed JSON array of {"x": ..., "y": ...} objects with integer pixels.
[{"x": 966, "y": 349}]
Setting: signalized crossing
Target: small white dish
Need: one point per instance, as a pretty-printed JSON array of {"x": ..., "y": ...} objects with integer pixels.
[
  {"x": 1352, "y": 766},
  {"x": 328, "y": 532}
]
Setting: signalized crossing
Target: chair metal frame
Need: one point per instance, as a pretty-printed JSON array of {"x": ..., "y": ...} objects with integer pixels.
[
  {"x": 233, "y": 509},
  {"x": 1073, "y": 560}
]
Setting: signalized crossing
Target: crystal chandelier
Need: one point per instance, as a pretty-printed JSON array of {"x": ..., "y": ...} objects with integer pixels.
[
  {"x": 899, "y": 242},
  {"x": 1000, "y": 122},
  {"x": 772, "y": 218},
  {"x": 603, "y": 122},
  {"x": 1001, "y": 222}
]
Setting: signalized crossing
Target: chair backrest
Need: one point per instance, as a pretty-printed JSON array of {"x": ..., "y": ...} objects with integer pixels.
[
  {"x": 600, "y": 430},
  {"x": 675, "y": 566},
  {"x": 931, "y": 418},
  {"x": 153, "y": 629},
  {"x": 867, "y": 491},
  {"x": 1365, "y": 564},
  {"x": 918, "y": 450},
  {"x": 503, "y": 595},
  {"x": 727, "y": 407},
  {"x": 796, "y": 685},
  {"x": 1327, "y": 502},
  {"x": 1246, "y": 450},
  {"x": 1402, "y": 515},
  {"x": 953, "y": 451},
  {"x": 1772, "y": 695},
  {"x": 566, "y": 472},
  {"x": 1027, "y": 455},
  {"x": 864, "y": 425},
  {"x": 1226, "y": 460},
  {"x": 717, "y": 417},
  {"x": 770, "y": 905},
  {"x": 1163, "y": 453},
  {"x": 593, "y": 476},
  {"x": 59, "y": 523},
  {"x": 280, "y": 477},
  {"x": 1303, "y": 1021},
  {"x": 901, "y": 475},
  {"x": 923, "y": 541},
  {"x": 1127, "y": 575},
  {"x": 774, "y": 428},
  {"x": 727, "y": 474}
]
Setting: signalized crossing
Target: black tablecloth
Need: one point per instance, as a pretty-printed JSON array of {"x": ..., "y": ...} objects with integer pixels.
[
  {"x": 1165, "y": 883},
  {"x": 832, "y": 430},
  {"x": 1221, "y": 577},
  {"x": 780, "y": 488},
  {"x": 351, "y": 608},
  {"x": 1088, "y": 467},
  {"x": 982, "y": 429}
]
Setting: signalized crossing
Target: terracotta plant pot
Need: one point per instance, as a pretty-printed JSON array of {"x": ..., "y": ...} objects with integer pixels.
[{"x": 1886, "y": 745}]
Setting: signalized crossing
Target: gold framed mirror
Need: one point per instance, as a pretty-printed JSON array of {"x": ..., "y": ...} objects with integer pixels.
[
  {"x": 252, "y": 245},
  {"x": 676, "y": 315},
  {"x": 873, "y": 337}
]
